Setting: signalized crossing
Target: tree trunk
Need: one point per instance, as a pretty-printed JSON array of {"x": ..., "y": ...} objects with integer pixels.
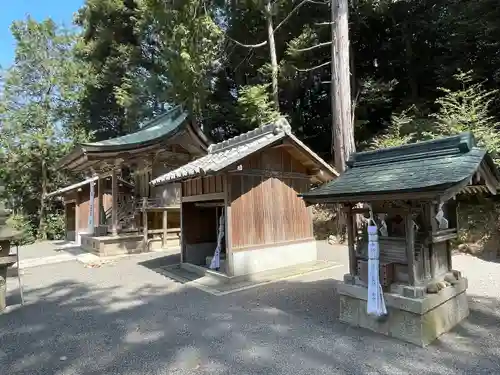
[
  {"x": 42, "y": 232},
  {"x": 341, "y": 80},
  {"x": 272, "y": 53},
  {"x": 342, "y": 125}
]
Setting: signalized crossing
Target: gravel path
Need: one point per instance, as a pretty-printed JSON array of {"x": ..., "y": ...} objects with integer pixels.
[{"x": 124, "y": 318}]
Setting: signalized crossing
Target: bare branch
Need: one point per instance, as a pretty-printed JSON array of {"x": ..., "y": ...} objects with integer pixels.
[
  {"x": 313, "y": 68},
  {"x": 313, "y": 47},
  {"x": 291, "y": 13},
  {"x": 323, "y": 23},
  {"x": 262, "y": 44},
  {"x": 354, "y": 104},
  {"x": 319, "y": 2}
]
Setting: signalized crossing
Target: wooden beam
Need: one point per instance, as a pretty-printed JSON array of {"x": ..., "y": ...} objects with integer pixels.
[
  {"x": 204, "y": 197},
  {"x": 100, "y": 208},
  {"x": 353, "y": 199},
  {"x": 145, "y": 223},
  {"x": 228, "y": 226},
  {"x": 410, "y": 250},
  {"x": 114, "y": 203},
  {"x": 165, "y": 228},
  {"x": 434, "y": 229},
  {"x": 77, "y": 217},
  {"x": 270, "y": 173},
  {"x": 353, "y": 261}
]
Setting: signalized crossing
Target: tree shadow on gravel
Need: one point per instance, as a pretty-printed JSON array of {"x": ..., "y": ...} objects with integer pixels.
[{"x": 287, "y": 327}]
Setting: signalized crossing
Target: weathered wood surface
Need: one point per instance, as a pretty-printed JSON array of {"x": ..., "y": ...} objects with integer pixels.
[
  {"x": 265, "y": 208},
  {"x": 203, "y": 185}
]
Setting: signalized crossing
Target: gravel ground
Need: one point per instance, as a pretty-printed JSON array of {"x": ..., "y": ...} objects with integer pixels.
[{"x": 124, "y": 318}]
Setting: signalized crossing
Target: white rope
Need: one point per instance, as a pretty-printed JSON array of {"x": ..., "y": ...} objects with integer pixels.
[
  {"x": 443, "y": 223},
  {"x": 375, "y": 304},
  {"x": 215, "y": 263}
]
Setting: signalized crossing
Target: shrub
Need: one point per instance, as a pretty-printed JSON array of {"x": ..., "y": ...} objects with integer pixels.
[{"x": 22, "y": 224}]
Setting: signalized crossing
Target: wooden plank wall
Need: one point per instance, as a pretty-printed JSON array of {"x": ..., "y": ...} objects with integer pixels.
[
  {"x": 266, "y": 209},
  {"x": 203, "y": 185}
]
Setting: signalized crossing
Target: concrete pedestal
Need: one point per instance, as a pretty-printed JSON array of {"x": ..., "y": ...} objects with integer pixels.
[{"x": 415, "y": 320}]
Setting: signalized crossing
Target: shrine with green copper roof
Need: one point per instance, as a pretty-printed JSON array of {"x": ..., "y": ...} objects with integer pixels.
[
  {"x": 143, "y": 217},
  {"x": 172, "y": 131}
]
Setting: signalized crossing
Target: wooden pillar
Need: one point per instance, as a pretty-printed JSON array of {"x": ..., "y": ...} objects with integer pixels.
[
  {"x": 165, "y": 228},
  {"x": 433, "y": 229},
  {"x": 351, "y": 241},
  {"x": 114, "y": 203},
  {"x": 91, "y": 223},
  {"x": 145, "y": 223},
  {"x": 181, "y": 236},
  {"x": 77, "y": 218},
  {"x": 65, "y": 221},
  {"x": 227, "y": 226},
  {"x": 100, "y": 209},
  {"x": 410, "y": 249}
]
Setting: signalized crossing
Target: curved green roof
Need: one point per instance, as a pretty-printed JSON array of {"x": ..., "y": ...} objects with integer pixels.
[{"x": 159, "y": 127}]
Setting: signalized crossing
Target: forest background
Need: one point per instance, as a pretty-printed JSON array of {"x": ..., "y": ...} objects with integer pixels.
[{"x": 419, "y": 69}]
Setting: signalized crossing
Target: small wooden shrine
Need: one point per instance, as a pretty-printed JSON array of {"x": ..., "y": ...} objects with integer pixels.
[
  {"x": 149, "y": 218},
  {"x": 409, "y": 192},
  {"x": 245, "y": 190}
]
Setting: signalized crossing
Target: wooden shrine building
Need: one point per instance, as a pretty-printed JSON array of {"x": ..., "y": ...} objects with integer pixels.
[
  {"x": 76, "y": 201},
  {"x": 252, "y": 181},
  {"x": 150, "y": 218},
  {"x": 410, "y": 192}
]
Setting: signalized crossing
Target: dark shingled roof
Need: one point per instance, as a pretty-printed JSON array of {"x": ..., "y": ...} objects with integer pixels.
[{"x": 434, "y": 165}]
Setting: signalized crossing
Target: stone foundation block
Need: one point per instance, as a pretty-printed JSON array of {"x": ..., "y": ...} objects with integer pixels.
[{"x": 415, "y": 320}]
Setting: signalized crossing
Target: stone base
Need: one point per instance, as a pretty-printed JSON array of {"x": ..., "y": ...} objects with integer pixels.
[
  {"x": 415, "y": 320},
  {"x": 271, "y": 257},
  {"x": 123, "y": 244}
]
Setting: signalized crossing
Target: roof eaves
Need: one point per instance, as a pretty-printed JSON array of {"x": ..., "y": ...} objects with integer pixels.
[
  {"x": 313, "y": 155},
  {"x": 435, "y": 190}
]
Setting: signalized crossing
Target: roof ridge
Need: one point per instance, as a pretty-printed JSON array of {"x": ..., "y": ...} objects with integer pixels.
[
  {"x": 280, "y": 125},
  {"x": 452, "y": 145},
  {"x": 153, "y": 121}
]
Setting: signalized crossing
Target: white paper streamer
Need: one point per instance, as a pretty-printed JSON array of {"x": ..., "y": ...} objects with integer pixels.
[
  {"x": 215, "y": 263},
  {"x": 383, "y": 226},
  {"x": 443, "y": 223},
  {"x": 375, "y": 304}
]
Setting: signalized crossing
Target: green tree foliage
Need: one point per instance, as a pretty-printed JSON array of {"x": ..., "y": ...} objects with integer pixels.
[
  {"x": 111, "y": 45},
  {"x": 467, "y": 108},
  {"x": 188, "y": 42},
  {"x": 255, "y": 106},
  {"x": 38, "y": 91}
]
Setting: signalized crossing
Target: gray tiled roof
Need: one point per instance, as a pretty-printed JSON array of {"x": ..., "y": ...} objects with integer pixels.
[
  {"x": 227, "y": 153},
  {"x": 424, "y": 166}
]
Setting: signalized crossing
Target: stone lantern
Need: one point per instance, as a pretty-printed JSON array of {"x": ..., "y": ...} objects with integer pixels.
[{"x": 7, "y": 235}]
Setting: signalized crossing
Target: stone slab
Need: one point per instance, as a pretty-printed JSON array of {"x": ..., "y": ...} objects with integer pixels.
[
  {"x": 419, "y": 326},
  {"x": 414, "y": 305}
]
